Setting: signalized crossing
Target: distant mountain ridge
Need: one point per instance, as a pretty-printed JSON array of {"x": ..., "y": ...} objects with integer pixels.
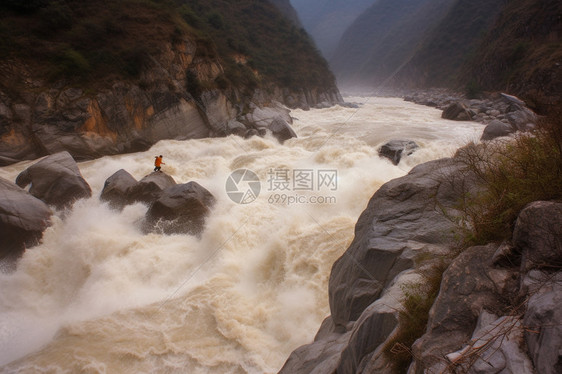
[
  {"x": 326, "y": 20},
  {"x": 463, "y": 44}
]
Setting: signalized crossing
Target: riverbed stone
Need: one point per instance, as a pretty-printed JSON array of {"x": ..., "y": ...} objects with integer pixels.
[
  {"x": 116, "y": 189},
  {"x": 395, "y": 149},
  {"x": 180, "y": 209},
  {"x": 149, "y": 188},
  {"x": 56, "y": 180},
  {"x": 23, "y": 218}
]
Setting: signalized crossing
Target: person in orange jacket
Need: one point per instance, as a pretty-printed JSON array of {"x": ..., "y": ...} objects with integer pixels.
[{"x": 158, "y": 162}]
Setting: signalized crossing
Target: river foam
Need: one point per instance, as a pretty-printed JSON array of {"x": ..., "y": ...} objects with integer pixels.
[{"x": 99, "y": 296}]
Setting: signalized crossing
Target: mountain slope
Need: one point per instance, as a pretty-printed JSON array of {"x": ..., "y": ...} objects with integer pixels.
[
  {"x": 383, "y": 38},
  {"x": 439, "y": 59},
  {"x": 100, "y": 77},
  {"x": 522, "y": 53}
]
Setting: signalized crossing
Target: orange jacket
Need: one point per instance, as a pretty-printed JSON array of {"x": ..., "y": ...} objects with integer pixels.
[{"x": 158, "y": 161}]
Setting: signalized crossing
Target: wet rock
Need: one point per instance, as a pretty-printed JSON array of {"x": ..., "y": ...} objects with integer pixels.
[
  {"x": 56, "y": 180},
  {"x": 322, "y": 356},
  {"x": 250, "y": 133},
  {"x": 149, "y": 188},
  {"x": 281, "y": 130},
  {"x": 23, "y": 218},
  {"x": 395, "y": 149},
  {"x": 180, "y": 209},
  {"x": 538, "y": 235},
  {"x": 497, "y": 129},
  {"x": 116, "y": 189},
  {"x": 236, "y": 128}
]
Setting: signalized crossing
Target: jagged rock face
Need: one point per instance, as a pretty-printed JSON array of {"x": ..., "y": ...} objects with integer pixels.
[
  {"x": 402, "y": 218},
  {"x": 129, "y": 117},
  {"x": 56, "y": 180},
  {"x": 23, "y": 218},
  {"x": 180, "y": 209}
]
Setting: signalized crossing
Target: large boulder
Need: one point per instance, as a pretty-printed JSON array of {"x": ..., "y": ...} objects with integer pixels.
[
  {"x": 457, "y": 111},
  {"x": 56, "y": 180},
  {"x": 180, "y": 209},
  {"x": 23, "y": 218},
  {"x": 116, "y": 189},
  {"x": 404, "y": 217},
  {"x": 496, "y": 129},
  {"x": 538, "y": 235},
  {"x": 281, "y": 130},
  {"x": 148, "y": 189},
  {"x": 395, "y": 149}
]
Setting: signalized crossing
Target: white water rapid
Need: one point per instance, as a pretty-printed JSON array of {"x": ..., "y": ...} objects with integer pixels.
[{"x": 99, "y": 296}]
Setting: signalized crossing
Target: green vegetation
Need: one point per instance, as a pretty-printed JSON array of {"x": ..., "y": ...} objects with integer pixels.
[
  {"x": 514, "y": 173},
  {"x": 92, "y": 42}
]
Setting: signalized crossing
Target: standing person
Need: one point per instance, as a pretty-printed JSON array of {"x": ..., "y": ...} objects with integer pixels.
[{"x": 158, "y": 162}]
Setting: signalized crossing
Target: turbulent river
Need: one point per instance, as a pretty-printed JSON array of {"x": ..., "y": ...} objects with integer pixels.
[{"x": 99, "y": 296}]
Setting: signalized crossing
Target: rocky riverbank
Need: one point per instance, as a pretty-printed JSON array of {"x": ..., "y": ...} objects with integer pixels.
[
  {"x": 502, "y": 114},
  {"x": 495, "y": 312}
]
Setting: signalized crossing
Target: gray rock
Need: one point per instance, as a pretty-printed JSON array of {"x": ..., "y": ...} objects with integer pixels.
[
  {"x": 180, "y": 209},
  {"x": 470, "y": 285},
  {"x": 149, "y": 188},
  {"x": 116, "y": 189},
  {"x": 497, "y": 129},
  {"x": 281, "y": 130},
  {"x": 457, "y": 111},
  {"x": 56, "y": 180},
  {"x": 250, "y": 133},
  {"x": 320, "y": 357},
  {"x": 522, "y": 119},
  {"x": 402, "y": 218},
  {"x": 395, "y": 149},
  {"x": 23, "y": 218},
  {"x": 236, "y": 128},
  {"x": 538, "y": 235},
  {"x": 543, "y": 324}
]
